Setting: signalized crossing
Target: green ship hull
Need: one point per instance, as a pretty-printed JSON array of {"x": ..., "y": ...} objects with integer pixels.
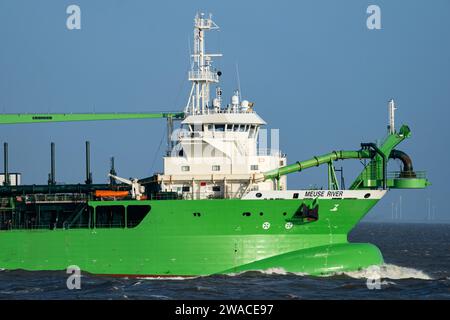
[{"x": 202, "y": 237}]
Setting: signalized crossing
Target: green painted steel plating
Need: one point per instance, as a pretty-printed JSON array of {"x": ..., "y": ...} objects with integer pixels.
[
  {"x": 172, "y": 241},
  {"x": 70, "y": 117}
]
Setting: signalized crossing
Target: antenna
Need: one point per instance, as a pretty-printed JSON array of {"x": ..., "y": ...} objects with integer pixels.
[
  {"x": 391, "y": 108},
  {"x": 238, "y": 81}
]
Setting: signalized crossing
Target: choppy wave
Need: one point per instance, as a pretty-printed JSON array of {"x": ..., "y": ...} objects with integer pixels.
[
  {"x": 385, "y": 271},
  {"x": 160, "y": 297}
]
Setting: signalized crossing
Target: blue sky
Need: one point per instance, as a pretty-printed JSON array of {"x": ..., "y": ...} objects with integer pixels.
[{"x": 312, "y": 68}]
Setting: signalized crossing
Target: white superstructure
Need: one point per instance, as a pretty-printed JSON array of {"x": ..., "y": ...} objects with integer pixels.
[{"x": 216, "y": 151}]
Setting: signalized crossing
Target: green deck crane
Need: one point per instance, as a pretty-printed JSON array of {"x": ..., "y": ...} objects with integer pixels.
[
  {"x": 20, "y": 118},
  {"x": 16, "y": 118}
]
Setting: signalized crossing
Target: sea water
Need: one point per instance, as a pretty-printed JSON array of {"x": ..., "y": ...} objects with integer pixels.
[{"x": 417, "y": 266}]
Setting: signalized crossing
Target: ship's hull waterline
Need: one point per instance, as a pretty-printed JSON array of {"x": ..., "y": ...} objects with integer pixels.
[{"x": 202, "y": 237}]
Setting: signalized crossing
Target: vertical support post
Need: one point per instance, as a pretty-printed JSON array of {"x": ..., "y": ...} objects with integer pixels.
[
  {"x": 332, "y": 179},
  {"x": 225, "y": 188},
  {"x": 112, "y": 171},
  {"x": 169, "y": 134},
  {"x": 88, "y": 164},
  {"x": 335, "y": 181},
  {"x": 38, "y": 222},
  {"x": 384, "y": 171},
  {"x": 341, "y": 171},
  {"x": 126, "y": 217},
  {"x": 5, "y": 164},
  {"x": 94, "y": 218},
  {"x": 329, "y": 176},
  {"x": 51, "y": 176}
]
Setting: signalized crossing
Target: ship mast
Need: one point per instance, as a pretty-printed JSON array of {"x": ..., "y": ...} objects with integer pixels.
[
  {"x": 392, "y": 108},
  {"x": 202, "y": 73}
]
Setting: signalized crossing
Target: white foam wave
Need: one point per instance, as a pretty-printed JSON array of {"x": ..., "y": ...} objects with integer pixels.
[
  {"x": 385, "y": 271},
  {"x": 388, "y": 271},
  {"x": 269, "y": 271},
  {"x": 282, "y": 271},
  {"x": 165, "y": 278}
]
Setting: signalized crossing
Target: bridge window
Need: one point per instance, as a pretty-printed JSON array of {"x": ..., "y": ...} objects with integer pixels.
[
  {"x": 252, "y": 131},
  {"x": 216, "y": 188},
  {"x": 220, "y": 127},
  {"x": 186, "y": 189},
  {"x": 135, "y": 215}
]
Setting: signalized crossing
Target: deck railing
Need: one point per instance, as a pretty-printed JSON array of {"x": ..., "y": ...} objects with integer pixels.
[
  {"x": 55, "y": 198},
  {"x": 406, "y": 175},
  {"x": 203, "y": 76}
]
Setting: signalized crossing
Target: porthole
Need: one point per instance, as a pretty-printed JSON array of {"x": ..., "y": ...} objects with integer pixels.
[
  {"x": 261, "y": 213},
  {"x": 259, "y": 195},
  {"x": 246, "y": 214},
  {"x": 284, "y": 213},
  {"x": 367, "y": 195}
]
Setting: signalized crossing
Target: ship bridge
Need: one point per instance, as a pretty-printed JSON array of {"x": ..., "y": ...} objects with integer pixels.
[{"x": 215, "y": 152}]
